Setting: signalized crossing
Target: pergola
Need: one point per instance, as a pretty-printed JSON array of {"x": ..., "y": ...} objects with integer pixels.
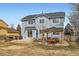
[{"x": 52, "y": 29}]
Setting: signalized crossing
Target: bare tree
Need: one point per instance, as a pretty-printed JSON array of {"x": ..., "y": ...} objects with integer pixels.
[{"x": 74, "y": 17}]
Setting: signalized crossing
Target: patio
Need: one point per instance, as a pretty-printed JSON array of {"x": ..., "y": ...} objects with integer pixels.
[{"x": 52, "y": 40}]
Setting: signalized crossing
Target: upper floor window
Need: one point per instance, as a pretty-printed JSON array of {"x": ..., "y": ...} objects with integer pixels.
[
  {"x": 31, "y": 21},
  {"x": 55, "y": 20},
  {"x": 41, "y": 20},
  {"x": 50, "y": 18}
]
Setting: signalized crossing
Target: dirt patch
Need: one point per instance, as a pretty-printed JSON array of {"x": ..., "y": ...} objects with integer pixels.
[
  {"x": 29, "y": 40},
  {"x": 12, "y": 47}
]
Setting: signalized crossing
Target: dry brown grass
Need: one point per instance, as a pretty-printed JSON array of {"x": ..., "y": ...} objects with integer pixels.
[{"x": 23, "y": 49}]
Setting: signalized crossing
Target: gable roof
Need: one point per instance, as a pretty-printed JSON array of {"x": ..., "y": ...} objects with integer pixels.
[
  {"x": 3, "y": 22},
  {"x": 52, "y": 15}
]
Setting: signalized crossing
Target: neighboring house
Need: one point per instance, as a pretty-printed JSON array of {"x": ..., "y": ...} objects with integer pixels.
[
  {"x": 51, "y": 23},
  {"x": 6, "y": 32}
]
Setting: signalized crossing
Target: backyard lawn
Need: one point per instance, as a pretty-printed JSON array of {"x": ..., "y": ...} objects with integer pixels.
[{"x": 24, "y": 49}]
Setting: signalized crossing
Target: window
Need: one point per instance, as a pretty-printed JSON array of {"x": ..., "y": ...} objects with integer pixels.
[
  {"x": 31, "y": 21},
  {"x": 55, "y": 20},
  {"x": 56, "y": 33},
  {"x": 50, "y": 18},
  {"x": 41, "y": 20}
]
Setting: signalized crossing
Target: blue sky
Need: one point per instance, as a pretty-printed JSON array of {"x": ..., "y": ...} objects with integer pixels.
[{"x": 12, "y": 13}]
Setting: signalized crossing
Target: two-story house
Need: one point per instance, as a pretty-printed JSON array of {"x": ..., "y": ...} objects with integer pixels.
[{"x": 35, "y": 25}]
